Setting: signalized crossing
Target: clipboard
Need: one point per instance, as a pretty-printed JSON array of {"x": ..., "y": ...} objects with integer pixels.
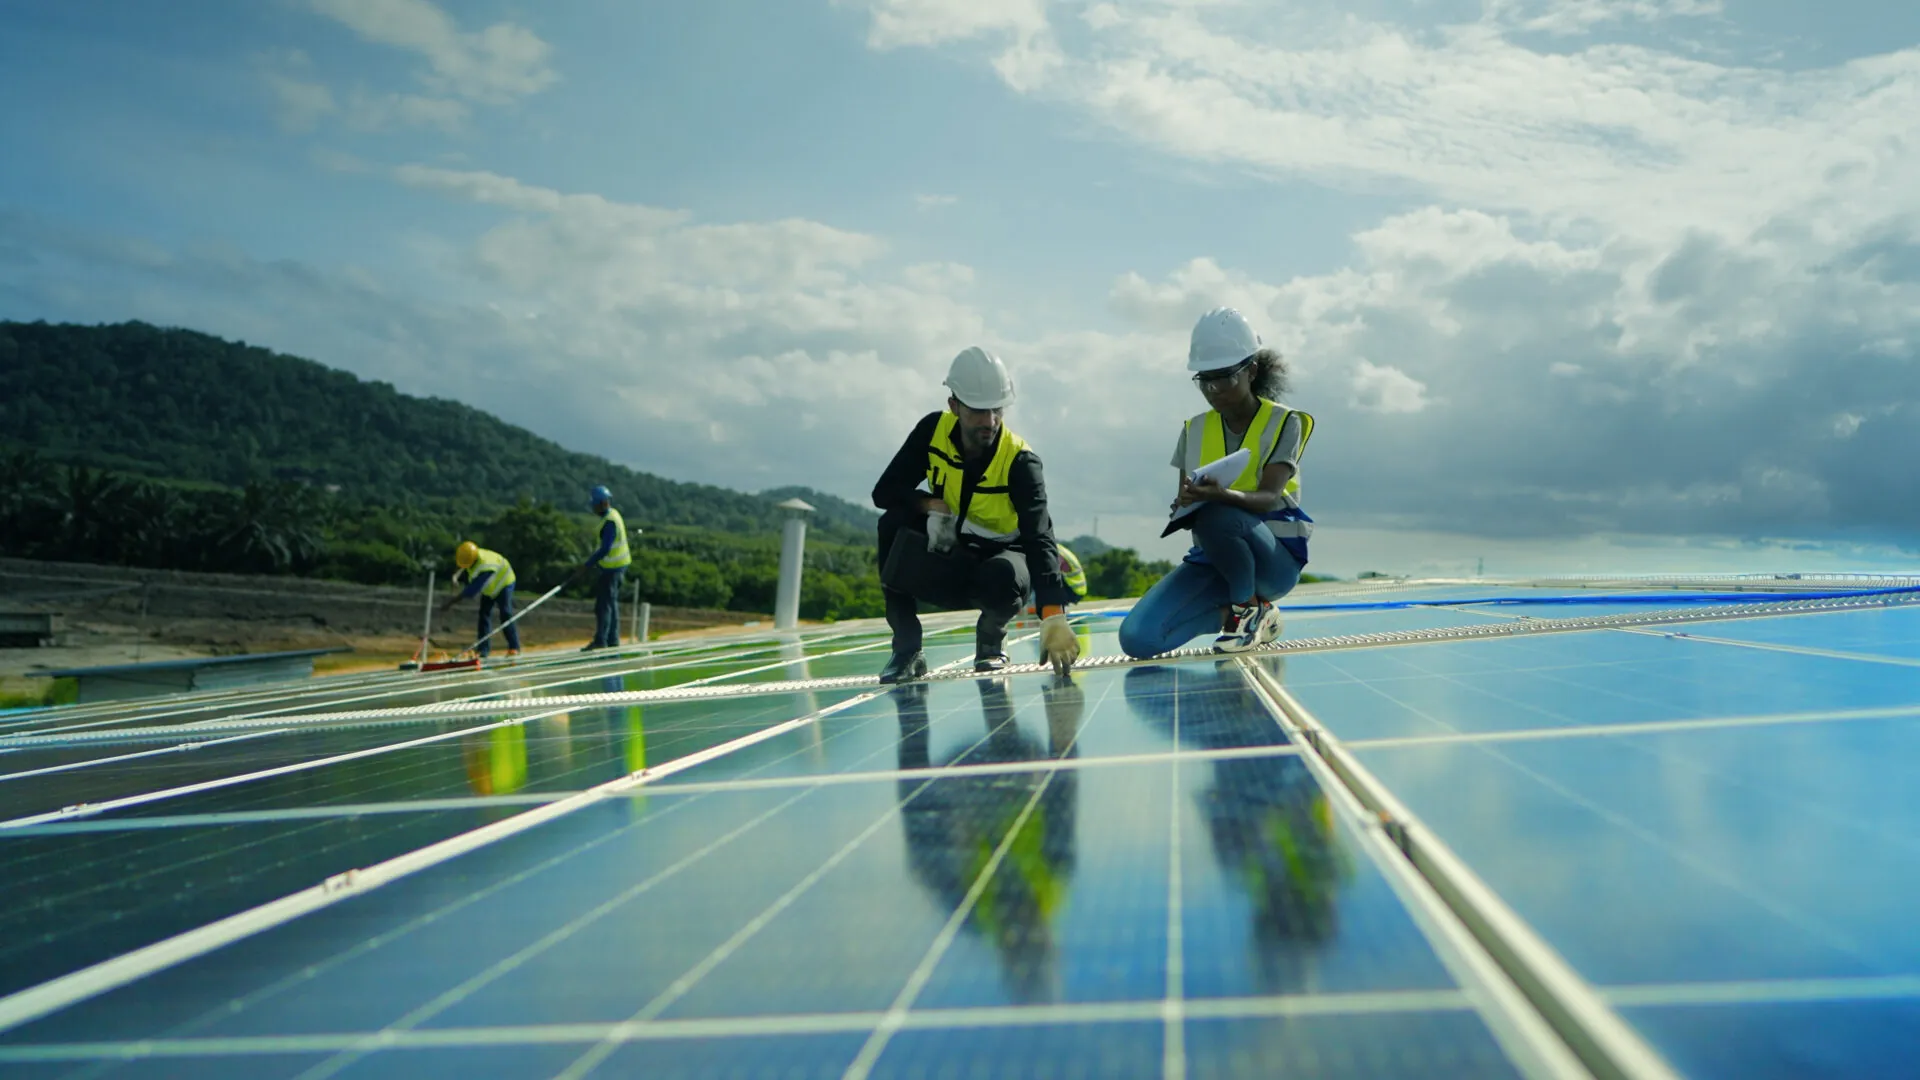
[{"x": 1223, "y": 472}]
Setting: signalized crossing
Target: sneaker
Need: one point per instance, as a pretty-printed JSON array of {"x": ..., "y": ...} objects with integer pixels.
[
  {"x": 511, "y": 653},
  {"x": 1248, "y": 626},
  {"x": 904, "y": 667},
  {"x": 991, "y": 662}
]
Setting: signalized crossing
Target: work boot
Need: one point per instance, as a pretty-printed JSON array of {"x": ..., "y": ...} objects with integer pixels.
[
  {"x": 989, "y": 645},
  {"x": 904, "y": 667}
]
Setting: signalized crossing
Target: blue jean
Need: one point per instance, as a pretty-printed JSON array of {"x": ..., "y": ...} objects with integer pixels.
[
  {"x": 504, "y": 602},
  {"x": 606, "y": 607},
  {"x": 1243, "y": 561}
]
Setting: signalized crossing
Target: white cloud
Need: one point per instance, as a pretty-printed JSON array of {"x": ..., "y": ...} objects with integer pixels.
[
  {"x": 1638, "y": 141},
  {"x": 489, "y": 67},
  {"x": 1029, "y": 55},
  {"x": 778, "y": 334},
  {"x": 934, "y": 202},
  {"x": 495, "y": 65},
  {"x": 1564, "y": 17},
  {"x": 897, "y": 23},
  {"x": 1386, "y": 390}
]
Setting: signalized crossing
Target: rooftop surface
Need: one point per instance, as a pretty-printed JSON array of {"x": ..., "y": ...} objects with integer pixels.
[{"x": 1602, "y": 827}]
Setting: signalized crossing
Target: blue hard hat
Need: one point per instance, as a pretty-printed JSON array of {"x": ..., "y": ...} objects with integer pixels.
[{"x": 599, "y": 495}]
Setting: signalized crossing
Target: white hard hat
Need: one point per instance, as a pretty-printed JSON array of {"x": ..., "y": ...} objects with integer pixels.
[
  {"x": 980, "y": 380},
  {"x": 1221, "y": 339}
]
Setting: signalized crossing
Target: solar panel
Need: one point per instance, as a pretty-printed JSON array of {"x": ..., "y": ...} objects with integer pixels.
[{"x": 1663, "y": 834}]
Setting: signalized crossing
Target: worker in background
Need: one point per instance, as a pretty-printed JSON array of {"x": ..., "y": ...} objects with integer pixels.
[
  {"x": 1072, "y": 574},
  {"x": 488, "y": 575},
  {"x": 978, "y": 535},
  {"x": 611, "y": 560},
  {"x": 1250, "y": 535}
]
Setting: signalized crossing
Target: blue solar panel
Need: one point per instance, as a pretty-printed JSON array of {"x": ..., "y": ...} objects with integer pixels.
[{"x": 1136, "y": 872}]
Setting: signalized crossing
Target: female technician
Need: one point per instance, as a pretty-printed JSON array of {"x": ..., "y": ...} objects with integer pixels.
[{"x": 1250, "y": 535}]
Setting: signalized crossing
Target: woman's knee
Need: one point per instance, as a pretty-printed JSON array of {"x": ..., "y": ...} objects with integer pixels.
[
  {"x": 1279, "y": 575},
  {"x": 1137, "y": 639}
]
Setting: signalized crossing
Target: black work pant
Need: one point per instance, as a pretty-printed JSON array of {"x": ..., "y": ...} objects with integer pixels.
[{"x": 997, "y": 587}]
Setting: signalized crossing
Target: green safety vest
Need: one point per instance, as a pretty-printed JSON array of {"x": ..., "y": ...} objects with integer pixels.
[
  {"x": 494, "y": 561},
  {"x": 619, "y": 554},
  {"x": 990, "y": 513}
]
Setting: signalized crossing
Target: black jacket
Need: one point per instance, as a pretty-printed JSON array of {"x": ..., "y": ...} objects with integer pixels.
[{"x": 901, "y": 489}]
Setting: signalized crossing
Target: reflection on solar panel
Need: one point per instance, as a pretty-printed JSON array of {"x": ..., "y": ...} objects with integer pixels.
[{"x": 1432, "y": 832}]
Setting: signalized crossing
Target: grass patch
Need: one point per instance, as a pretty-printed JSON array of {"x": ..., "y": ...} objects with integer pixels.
[{"x": 57, "y": 692}]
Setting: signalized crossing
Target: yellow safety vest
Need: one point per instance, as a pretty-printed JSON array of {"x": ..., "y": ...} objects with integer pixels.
[
  {"x": 619, "y": 554},
  {"x": 494, "y": 561},
  {"x": 1073, "y": 572},
  {"x": 990, "y": 514},
  {"x": 1207, "y": 443}
]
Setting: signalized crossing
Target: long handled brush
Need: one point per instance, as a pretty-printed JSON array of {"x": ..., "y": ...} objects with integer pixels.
[{"x": 521, "y": 614}]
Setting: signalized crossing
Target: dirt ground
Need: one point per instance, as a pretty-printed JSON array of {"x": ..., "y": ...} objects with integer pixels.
[{"x": 117, "y": 615}]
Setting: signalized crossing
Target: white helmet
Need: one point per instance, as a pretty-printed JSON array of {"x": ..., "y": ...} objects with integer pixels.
[
  {"x": 1221, "y": 339},
  {"x": 980, "y": 380}
]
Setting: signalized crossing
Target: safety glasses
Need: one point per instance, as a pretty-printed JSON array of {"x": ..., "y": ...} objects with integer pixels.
[{"x": 1205, "y": 379}]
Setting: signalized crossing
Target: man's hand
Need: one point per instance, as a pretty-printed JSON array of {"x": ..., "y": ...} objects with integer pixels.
[
  {"x": 1058, "y": 644},
  {"x": 943, "y": 531}
]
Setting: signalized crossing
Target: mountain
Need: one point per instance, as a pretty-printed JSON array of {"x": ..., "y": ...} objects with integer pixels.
[{"x": 180, "y": 405}]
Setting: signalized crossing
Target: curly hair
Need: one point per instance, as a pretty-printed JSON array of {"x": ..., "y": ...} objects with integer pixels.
[{"x": 1270, "y": 376}]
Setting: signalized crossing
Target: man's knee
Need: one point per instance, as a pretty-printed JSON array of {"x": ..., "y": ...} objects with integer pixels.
[{"x": 999, "y": 584}]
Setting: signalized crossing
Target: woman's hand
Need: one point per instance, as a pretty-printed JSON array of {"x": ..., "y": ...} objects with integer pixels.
[{"x": 1207, "y": 490}]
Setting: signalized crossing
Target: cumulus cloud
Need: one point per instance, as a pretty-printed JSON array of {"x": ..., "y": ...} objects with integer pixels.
[
  {"x": 460, "y": 69},
  {"x": 774, "y": 341},
  {"x": 498, "y": 64},
  {"x": 1386, "y": 389},
  {"x": 1566, "y": 17},
  {"x": 1630, "y": 139},
  {"x": 897, "y": 23}
]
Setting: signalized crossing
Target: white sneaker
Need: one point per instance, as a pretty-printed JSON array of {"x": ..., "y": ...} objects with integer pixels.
[
  {"x": 1249, "y": 626},
  {"x": 1270, "y": 624}
]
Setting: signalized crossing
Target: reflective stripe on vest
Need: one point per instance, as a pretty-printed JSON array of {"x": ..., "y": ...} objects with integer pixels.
[
  {"x": 1073, "y": 572},
  {"x": 990, "y": 513},
  {"x": 619, "y": 554},
  {"x": 497, "y": 563}
]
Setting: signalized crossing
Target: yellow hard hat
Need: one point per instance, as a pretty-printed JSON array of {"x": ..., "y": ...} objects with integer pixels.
[{"x": 465, "y": 555}]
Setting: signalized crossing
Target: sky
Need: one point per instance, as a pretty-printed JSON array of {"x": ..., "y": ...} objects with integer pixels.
[{"x": 1570, "y": 286}]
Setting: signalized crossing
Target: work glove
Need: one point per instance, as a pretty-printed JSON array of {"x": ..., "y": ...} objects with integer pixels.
[
  {"x": 1058, "y": 644},
  {"x": 943, "y": 531}
]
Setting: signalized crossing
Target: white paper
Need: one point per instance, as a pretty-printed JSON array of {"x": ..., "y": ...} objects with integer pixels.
[{"x": 1225, "y": 471}]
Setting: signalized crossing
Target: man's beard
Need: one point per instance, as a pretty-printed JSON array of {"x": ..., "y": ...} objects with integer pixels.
[{"x": 975, "y": 444}]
